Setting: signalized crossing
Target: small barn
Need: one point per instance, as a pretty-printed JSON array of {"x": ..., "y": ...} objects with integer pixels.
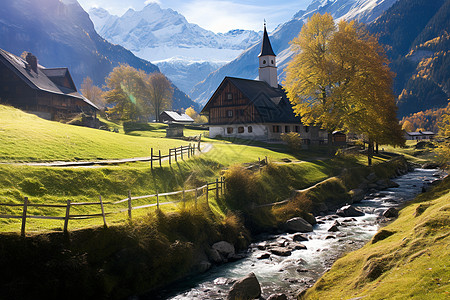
[
  {"x": 339, "y": 138},
  {"x": 47, "y": 92},
  {"x": 176, "y": 121}
]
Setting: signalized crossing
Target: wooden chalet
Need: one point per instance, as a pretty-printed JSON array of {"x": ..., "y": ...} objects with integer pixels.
[
  {"x": 419, "y": 135},
  {"x": 48, "y": 93},
  {"x": 256, "y": 109}
]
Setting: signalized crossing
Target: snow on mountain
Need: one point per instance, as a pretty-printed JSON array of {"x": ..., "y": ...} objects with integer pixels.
[
  {"x": 165, "y": 37},
  {"x": 246, "y": 65}
]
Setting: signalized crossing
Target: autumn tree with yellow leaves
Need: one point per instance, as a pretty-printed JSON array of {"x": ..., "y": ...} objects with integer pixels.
[{"x": 339, "y": 79}]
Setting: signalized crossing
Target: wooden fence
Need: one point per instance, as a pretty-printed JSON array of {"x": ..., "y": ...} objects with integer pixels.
[
  {"x": 218, "y": 186},
  {"x": 175, "y": 153}
]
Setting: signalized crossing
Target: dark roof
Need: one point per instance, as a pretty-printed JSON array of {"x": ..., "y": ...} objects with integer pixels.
[
  {"x": 40, "y": 80},
  {"x": 271, "y": 103},
  {"x": 266, "y": 47}
]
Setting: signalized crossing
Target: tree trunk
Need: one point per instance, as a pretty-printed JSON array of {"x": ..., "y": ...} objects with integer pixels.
[{"x": 369, "y": 152}]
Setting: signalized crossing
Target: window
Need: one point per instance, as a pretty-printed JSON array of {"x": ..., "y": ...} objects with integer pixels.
[
  {"x": 306, "y": 128},
  {"x": 272, "y": 61},
  {"x": 229, "y": 96},
  {"x": 264, "y": 62},
  {"x": 229, "y": 113},
  {"x": 250, "y": 129},
  {"x": 276, "y": 128},
  {"x": 229, "y": 130},
  {"x": 287, "y": 128},
  {"x": 240, "y": 129},
  {"x": 297, "y": 128}
]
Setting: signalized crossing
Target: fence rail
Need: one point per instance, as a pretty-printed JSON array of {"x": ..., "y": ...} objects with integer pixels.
[
  {"x": 175, "y": 153},
  {"x": 218, "y": 186}
]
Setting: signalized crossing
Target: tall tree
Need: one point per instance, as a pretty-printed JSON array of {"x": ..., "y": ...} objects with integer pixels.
[
  {"x": 443, "y": 150},
  {"x": 339, "y": 79},
  {"x": 159, "y": 92},
  {"x": 92, "y": 92},
  {"x": 124, "y": 85}
]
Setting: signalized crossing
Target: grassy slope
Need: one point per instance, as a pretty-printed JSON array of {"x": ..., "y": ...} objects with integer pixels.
[{"x": 409, "y": 260}]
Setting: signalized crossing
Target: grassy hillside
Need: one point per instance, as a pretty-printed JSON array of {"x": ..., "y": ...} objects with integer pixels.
[{"x": 406, "y": 259}]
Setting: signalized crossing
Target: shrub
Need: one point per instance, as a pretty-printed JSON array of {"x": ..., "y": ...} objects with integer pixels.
[
  {"x": 293, "y": 140},
  {"x": 241, "y": 189}
]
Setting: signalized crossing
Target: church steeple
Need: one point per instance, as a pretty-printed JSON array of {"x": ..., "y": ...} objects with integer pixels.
[{"x": 267, "y": 62}]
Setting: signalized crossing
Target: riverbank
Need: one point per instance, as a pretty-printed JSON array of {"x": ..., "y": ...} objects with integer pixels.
[
  {"x": 151, "y": 253},
  {"x": 406, "y": 259}
]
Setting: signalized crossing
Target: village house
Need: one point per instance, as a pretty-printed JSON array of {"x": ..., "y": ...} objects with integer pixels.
[
  {"x": 257, "y": 109},
  {"x": 49, "y": 93},
  {"x": 419, "y": 135}
]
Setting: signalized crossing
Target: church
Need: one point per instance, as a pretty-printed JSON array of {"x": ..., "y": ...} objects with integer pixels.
[{"x": 257, "y": 109}]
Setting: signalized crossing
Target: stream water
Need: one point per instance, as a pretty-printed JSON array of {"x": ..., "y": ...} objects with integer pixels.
[{"x": 291, "y": 274}]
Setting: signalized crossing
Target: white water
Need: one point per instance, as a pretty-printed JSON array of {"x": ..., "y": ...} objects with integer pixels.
[{"x": 300, "y": 270}]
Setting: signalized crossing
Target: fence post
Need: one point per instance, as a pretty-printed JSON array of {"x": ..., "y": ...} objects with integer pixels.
[
  {"x": 217, "y": 188},
  {"x": 151, "y": 159},
  {"x": 189, "y": 150},
  {"x": 24, "y": 215},
  {"x": 198, "y": 146},
  {"x": 129, "y": 205},
  {"x": 181, "y": 148},
  {"x": 196, "y": 197},
  {"x": 160, "y": 158},
  {"x": 103, "y": 211},
  {"x": 170, "y": 156},
  {"x": 176, "y": 158},
  {"x": 207, "y": 193},
  {"x": 266, "y": 161},
  {"x": 157, "y": 200},
  {"x": 66, "y": 219}
]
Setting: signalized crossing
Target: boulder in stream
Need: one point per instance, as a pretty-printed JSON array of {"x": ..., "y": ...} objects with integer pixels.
[
  {"x": 357, "y": 195},
  {"x": 390, "y": 213},
  {"x": 349, "y": 211},
  {"x": 299, "y": 237},
  {"x": 333, "y": 228},
  {"x": 225, "y": 249},
  {"x": 277, "y": 297},
  {"x": 281, "y": 251},
  {"x": 245, "y": 288},
  {"x": 298, "y": 225}
]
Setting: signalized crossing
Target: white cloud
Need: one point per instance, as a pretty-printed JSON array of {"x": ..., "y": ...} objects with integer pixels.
[{"x": 152, "y": 1}]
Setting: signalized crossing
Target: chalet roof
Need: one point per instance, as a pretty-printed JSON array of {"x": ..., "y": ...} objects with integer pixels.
[
  {"x": 419, "y": 133},
  {"x": 42, "y": 79},
  {"x": 266, "y": 47},
  {"x": 178, "y": 117},
  {"x": 271, "y": 103}
]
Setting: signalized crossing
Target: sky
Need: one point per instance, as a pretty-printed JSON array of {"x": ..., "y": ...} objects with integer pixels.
[{"x": 215, "y": 15}]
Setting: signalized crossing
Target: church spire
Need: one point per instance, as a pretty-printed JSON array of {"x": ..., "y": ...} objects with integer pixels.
[
  {"x": 267, "y": 62},
  {"x": 266, "y": 47}
]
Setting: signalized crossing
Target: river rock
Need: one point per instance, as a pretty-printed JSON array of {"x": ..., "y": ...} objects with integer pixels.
[
  {"x": 203, "y": 266},
  {"x": 214, "y": 256},
  {"x": 357, "y": 195},
  {"x": 245, "y": 288},
  {"x": 264, "y": 256},
  {"x": 299, "y": 237},
  {"x": 277, "y": 297},
  {"x": 281, "y": 251},
  {"x": 333, "y": 228},
  {"x": 297, "y": 246},
  {"x": 224, "y": 248},
  {"x": 390, "y": 213},
  {"x": 298, "y": 225},
  {"x": 430, "y": 166},
  {"x": 349, "y": 211}
]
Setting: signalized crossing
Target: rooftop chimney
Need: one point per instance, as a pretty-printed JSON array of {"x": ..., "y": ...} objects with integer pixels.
[{"x": 32, "y": 61}]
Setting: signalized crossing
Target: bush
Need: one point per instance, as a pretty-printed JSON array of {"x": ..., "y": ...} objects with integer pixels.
[
  {"x": 293, "y": 140},
  {"x": 136, "y": 126}
]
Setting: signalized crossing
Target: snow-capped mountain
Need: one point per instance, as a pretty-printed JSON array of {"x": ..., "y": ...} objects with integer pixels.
[
  {"x": 246, "y": 65},
  {"x": 166, "y": 38}
]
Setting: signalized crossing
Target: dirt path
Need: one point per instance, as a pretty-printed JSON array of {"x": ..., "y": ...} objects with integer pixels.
[{"x": 206, "y": 147}]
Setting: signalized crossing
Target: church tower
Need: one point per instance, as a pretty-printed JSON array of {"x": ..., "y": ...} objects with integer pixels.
[{"x": 267, "y": 62}]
